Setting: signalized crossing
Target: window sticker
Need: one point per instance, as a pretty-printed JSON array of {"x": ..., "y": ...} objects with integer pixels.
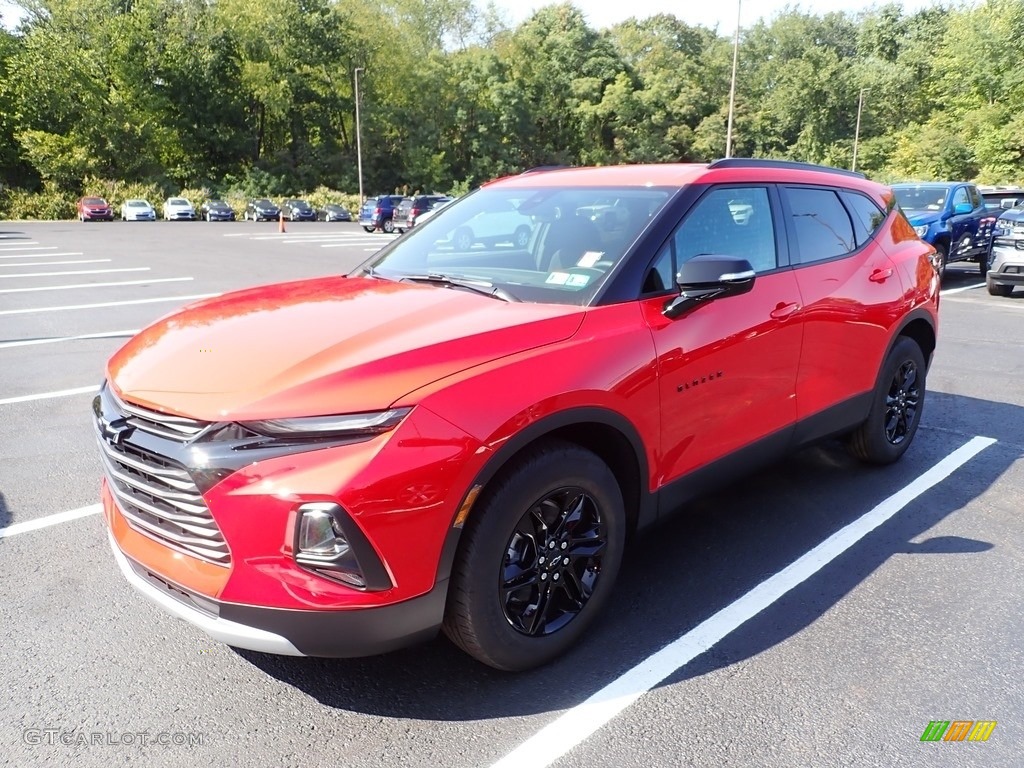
[
  {"x": 558, "y": 278},
  {"x": 577, "y": 281},
  {"x": 590, "y": 258}
]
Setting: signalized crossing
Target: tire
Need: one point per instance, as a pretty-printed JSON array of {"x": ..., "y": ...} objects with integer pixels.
[
  {"x": 557, "y": 483},
  {"x": 896, "y": 406},
  {"x": 998, "y": 289},
  {"x": 463, "y": 239},
  {"x": 983, "y": 261},
  {"x": 941, "y": 258},
  {"x": 369, "y": 229},
  {"x": 521, "y": 238},
  {"x": 388, "y": 226}
]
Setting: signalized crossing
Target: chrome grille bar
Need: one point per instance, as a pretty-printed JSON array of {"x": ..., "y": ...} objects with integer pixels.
[{"x": 176, "y": 428}]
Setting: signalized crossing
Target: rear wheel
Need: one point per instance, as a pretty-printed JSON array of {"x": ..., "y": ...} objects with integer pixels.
[
  {"x": 522, "y": 236},
  {"x": 388, "y": 226},
  {"x": 896, "y": 406},
  {"x": 369, "y": 229},
  {"x": 538, "y": 559}
]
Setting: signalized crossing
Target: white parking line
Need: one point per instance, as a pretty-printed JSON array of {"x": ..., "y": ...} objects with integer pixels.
[
  {"x": 95, "y": 285},
  {"x": 76, "y": 272},
  {"x": 45, "y": 522},
  {"x": 182, "y": 299},
  {"x": 571, "y": 728},
  {"x": 951, "y": 291},
  {"x": 54, "y": 263},
  {"x": 32, "y": 242},
  {"x": 58, "y": 339},
  {"x": 40, "y": 255},
  {"x": 49, "y": 395}
]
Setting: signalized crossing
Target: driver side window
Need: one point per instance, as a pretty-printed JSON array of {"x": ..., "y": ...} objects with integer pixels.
[
  {"x": 960, "y": 197},
  {"x": 731, "y": 221}
]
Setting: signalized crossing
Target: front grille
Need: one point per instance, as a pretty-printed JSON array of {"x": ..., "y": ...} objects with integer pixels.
[
  {"x": 176, "y": 428},
  {"x": 156, "y": 495}
]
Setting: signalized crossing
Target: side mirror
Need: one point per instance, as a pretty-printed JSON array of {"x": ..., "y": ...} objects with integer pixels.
[
  {"x": 708, "y": 277},
  {"x": 961, "y": 208}
]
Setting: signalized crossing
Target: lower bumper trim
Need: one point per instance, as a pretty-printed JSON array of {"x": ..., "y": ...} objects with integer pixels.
[{"x": 219, "y": 628}]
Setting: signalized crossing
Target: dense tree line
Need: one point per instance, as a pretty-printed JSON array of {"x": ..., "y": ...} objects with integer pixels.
[{"x": 259, "y": 98}]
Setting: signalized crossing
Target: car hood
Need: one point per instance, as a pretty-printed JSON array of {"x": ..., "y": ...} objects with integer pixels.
[
  {"x": 323, "y": 346},
  {"x": 917, "y": 218},
  {"x": 1013, "y": 215}
]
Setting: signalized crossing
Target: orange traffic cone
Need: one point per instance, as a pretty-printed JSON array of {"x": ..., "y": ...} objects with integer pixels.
[{"x": 280, "y": 223}]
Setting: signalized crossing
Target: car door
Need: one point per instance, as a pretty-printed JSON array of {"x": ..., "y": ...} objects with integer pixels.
[
  {"x": 727, "y": 369},
  {"x": 851, "y": 294}
]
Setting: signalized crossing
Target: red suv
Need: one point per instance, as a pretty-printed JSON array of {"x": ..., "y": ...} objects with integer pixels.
[
  {"x": 463, "y": 436},
  {"x": 94, "y": 208}
]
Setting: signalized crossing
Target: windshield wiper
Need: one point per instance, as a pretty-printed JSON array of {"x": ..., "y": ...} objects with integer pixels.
[{"x": 476, "y": 285}]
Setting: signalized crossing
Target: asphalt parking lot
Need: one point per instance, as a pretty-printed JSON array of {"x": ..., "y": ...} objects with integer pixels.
[{"x": 907, "y": 612}]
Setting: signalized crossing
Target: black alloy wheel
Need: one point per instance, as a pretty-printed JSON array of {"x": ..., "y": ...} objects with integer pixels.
[
  {"x": 902, "y": 402},
  {"x": 552, "y": 562},
  {"x": 896, "y": 407},
  {"x": 538, "y": 557}
]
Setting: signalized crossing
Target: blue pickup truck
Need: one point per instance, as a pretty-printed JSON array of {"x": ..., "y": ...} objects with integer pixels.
[{"x": 953, "y": 218}]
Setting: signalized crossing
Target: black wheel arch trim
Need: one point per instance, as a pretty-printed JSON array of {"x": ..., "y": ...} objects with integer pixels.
[
  {"x": 920, "y": 313},
  {"x": 645, "y": 503}
]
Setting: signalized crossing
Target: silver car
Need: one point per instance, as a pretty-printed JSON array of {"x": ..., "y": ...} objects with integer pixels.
[{"x": 1006, "y": 266}]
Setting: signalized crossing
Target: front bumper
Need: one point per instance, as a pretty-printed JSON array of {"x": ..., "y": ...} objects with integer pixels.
[
  {"x": 1007, "y": 264},
  {"x": 339, "y": 634},
  {"x": 98, "y": 215},
  {"x": 181, "y": 216}
]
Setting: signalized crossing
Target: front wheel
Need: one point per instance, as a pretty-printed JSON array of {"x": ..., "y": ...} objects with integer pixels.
[
  {"x": 538, "y": 558},
  {"x": 998, "y": 289},
  {"x": 895, "y": 408},
  {"x": 941, "y": 258}
]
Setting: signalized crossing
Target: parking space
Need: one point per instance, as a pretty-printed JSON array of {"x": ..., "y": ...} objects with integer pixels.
[{"x": 910, "y": 614}]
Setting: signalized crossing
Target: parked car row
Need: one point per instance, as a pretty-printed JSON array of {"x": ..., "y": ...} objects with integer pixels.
[
  {"x": 181, "y": 209},
  {"x": 394, "y": 213}
]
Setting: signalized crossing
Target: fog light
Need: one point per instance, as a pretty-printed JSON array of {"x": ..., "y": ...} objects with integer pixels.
[{"x": 320, "y": 536}]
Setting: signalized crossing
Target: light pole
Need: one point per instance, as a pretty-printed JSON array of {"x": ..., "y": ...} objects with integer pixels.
[
  {"x": 856, "y": 133},
  {"x": 359, "y": 139},
  {"x": 732, "y": 85}
]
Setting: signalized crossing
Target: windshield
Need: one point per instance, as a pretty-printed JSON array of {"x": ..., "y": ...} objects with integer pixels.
[
  {"x": 263, "y": 202},
  {"x": 923, "y": 198},
  {"x": 177, "y": 201},
  {"x": 547, "y": 245},
  {"x": 138, "y": 204},
  {"x": 94, "y": 201}
]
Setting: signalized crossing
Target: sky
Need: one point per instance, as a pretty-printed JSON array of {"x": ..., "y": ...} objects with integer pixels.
[{"x": 708, "y": 13}]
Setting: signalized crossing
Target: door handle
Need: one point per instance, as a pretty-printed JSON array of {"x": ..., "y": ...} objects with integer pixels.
[
  {"x": 782, "y": 311},
  {"x": 880, "y": 275}
]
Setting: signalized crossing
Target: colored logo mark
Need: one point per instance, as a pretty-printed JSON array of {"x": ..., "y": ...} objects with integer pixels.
[{"x": 958, "y": 730}]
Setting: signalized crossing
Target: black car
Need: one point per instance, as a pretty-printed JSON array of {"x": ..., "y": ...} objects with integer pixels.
[
  {"x": 378, "y": 213},
  {"x": 411, "y": 207},
  {"x": 298, "y": 210},
  {"x": 334, "y": 212},
  {"x": 216, "y": 210},
  {"x": 262, "y": 210}
]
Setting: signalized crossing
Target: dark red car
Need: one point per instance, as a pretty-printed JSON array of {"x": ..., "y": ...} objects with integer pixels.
[
  {"x": 462, "y": 434},
  {"x": 94, "y": 209}
]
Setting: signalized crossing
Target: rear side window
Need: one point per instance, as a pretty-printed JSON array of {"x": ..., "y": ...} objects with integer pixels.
[
  {"x": 867, "y": 217},
  {"x": 822, "y": 226}
]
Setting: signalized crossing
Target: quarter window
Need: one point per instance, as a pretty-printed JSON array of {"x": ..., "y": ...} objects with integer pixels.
[
  {"x": 822, "y": 226},
  {"x": 867, "y": 217}
]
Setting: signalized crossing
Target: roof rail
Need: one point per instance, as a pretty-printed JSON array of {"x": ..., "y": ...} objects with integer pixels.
[
  {"x": 543, "y": 168},
  {"x": 750, "y": 162}
]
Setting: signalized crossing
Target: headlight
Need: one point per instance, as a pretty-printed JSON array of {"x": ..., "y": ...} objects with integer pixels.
[
  {"x": 921, "y": 230},
  {"x": 352, "y": 424}
]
